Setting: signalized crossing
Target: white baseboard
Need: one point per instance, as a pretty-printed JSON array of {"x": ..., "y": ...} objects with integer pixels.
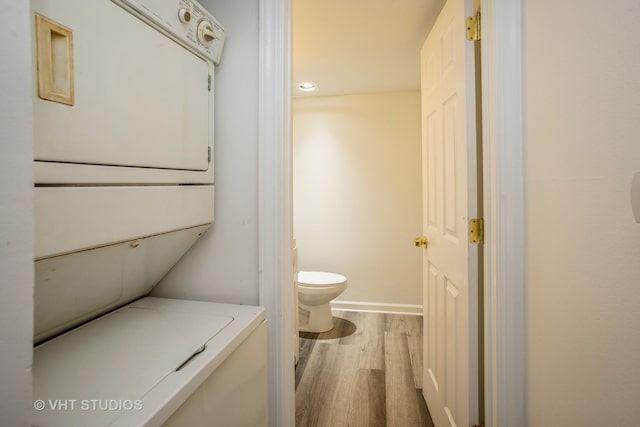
[{"x": 377, "y": 307}]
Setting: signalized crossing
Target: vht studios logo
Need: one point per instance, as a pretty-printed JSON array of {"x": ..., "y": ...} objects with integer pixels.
[{"x": 88, "y": 405}]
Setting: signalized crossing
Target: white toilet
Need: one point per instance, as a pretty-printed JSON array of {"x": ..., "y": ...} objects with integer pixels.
[{"x": 316, "y": 289}]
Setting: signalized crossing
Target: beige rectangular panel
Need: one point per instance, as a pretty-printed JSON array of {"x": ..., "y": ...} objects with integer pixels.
[
  {"x": 431, "y": 164},
  {"x": 69, "y": 219},
  {"x": 54, "y": 49},
  {"x": 432, "y": 365},
  {"x": 452, "y": 308},
  {"x": 450, "y": 172}
]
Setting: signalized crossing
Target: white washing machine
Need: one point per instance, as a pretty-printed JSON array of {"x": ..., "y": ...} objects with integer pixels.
[
  {"x": 124, "y": 185},
  {"x": 156, "y": 362}
]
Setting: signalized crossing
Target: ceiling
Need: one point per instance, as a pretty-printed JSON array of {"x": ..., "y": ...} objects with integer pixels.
[{"x": 359, "y": 46}]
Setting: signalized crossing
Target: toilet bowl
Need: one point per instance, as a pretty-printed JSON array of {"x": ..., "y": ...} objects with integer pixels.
[{"x": 316, "y": 289}]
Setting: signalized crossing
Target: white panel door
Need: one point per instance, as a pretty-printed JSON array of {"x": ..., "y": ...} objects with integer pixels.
[
  {"x": 450, "y": 384},
  {"x": 140, "y": 98}
]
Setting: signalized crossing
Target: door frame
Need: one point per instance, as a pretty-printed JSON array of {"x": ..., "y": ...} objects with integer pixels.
[
  {"x": 504, "y": 210},
  {"x": 504, "y": 185},
  {"x": 275, "y": 209}
]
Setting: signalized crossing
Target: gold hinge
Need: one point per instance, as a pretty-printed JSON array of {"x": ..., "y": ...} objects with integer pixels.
[
  {"x": 476, "y": 231},
  {"x": 473, "y": 27}
]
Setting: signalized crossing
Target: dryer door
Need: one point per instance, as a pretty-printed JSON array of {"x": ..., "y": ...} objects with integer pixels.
[{"x": 139, "y": 98}]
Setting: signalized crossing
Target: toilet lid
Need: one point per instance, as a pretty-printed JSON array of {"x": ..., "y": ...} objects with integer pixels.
[{"x": 320, "y": 278}]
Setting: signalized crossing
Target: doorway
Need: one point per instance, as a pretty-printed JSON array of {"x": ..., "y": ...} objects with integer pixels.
[
  {"x": 338, "y": 129},
  {"x": 502, "y": 85}
]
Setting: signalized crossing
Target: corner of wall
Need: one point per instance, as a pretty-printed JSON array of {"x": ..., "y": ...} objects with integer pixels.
[{"x": 16, "y": 215}]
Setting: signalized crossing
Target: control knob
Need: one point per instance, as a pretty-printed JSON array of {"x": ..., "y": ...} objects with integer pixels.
[
  {"x": 205, "y": 33},
  {"x": 184, "y": 16}
]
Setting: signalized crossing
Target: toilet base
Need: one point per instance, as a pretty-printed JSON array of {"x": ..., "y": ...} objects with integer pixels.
[{"x": 316, "y": 318}]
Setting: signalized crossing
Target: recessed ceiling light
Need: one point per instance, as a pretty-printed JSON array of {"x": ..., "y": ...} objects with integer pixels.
[{"x": 307, "y": 86}]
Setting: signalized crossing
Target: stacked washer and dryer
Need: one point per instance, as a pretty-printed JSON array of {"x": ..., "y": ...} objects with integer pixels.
[{"x": 124, "y": 186}]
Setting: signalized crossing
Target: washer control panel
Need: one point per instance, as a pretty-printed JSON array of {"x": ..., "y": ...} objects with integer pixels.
[{"x": 184, "y": 20}]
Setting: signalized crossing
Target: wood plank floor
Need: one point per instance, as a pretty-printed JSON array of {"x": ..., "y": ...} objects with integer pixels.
[{"x": 366, "y": 371}]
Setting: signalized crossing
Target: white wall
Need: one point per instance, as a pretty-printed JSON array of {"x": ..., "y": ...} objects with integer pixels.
[
  {"x": 582, "y": 136},
  {"x": 223, "y": 265},
  {"x": 16, "y": 215},
  {"x": 357, "y": 192}
]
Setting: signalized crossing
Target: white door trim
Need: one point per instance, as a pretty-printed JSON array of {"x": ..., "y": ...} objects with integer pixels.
[
  {"x": 505, "y": 327},
  {"x": 275, "y": 204}
]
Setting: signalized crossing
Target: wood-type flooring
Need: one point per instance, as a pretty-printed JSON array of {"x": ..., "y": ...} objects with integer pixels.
[{"x": 366, "y": 371}]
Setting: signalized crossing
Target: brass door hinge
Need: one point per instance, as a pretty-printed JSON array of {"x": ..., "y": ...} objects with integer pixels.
[
  {"x": 474, "y": 32},
  {"x": 476, "y": 231}
]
